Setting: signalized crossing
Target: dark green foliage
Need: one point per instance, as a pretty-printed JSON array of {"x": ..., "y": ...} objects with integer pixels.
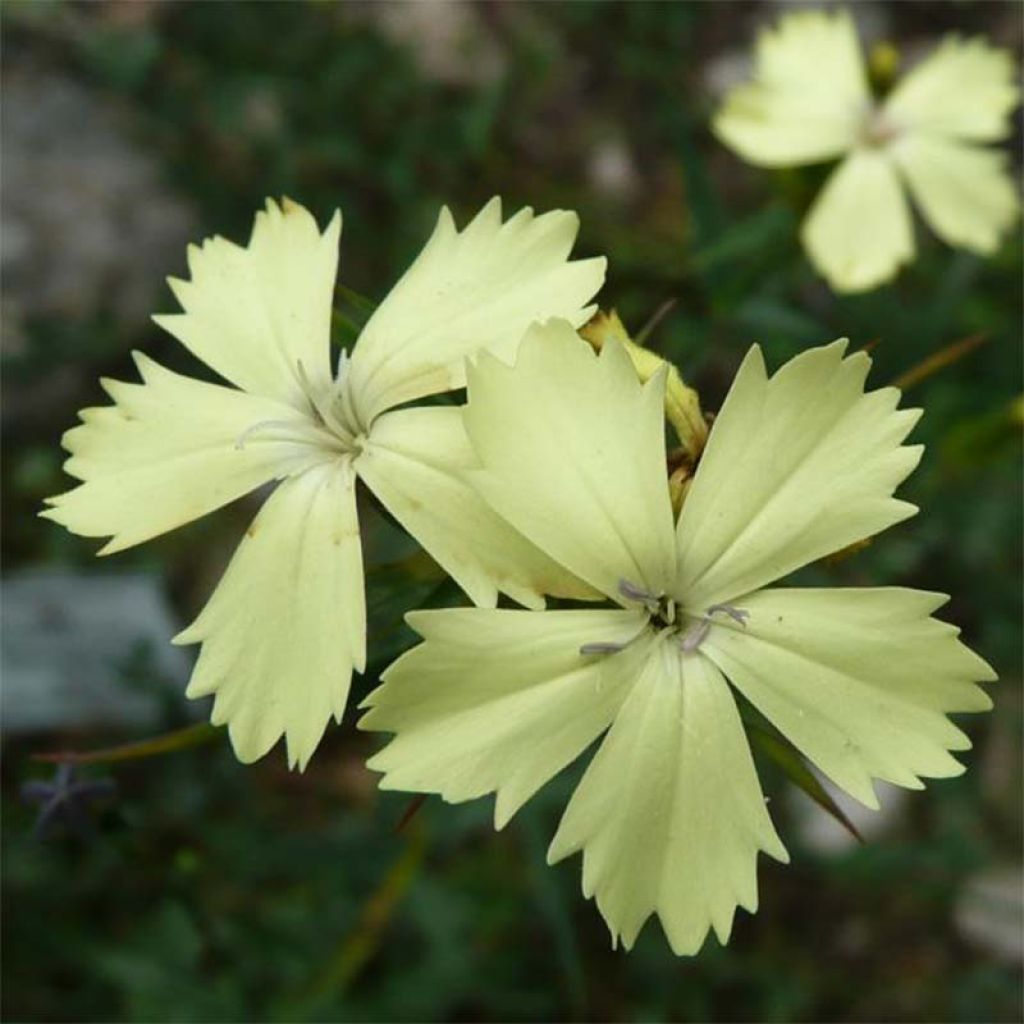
[{"x": 215, "y": 892}]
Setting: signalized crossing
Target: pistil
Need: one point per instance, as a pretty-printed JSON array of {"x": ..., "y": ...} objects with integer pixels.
[
  {"x": 328, "y": 424},
  {"x": 691, "y": 639}
]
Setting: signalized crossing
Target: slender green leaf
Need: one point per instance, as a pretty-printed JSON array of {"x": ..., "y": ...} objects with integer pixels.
[
  {"x": 358, "y": 947},
  {"x": 747, "y": 239},
  {"x": 780, "y": 751},
  {"x": 167, "y": 743},
  {"x": 354, "y": 298}
]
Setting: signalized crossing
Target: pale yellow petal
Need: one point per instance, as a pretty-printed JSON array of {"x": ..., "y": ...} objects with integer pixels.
[
  {"x": 859, "y": 232},
  {"x": 170, "y": 450},
  {"x": 797, "y": 466},
  {"x": 256, "y": 313},
  {"x": 573, "y": 449},
  {"x": 475, "y": 289},
  {"x": 287, "y": 623},
  {"x": 499, "y": 701},
  {"x": 417, "y": 461},
  {"x": 670, "y": 815},
  {"x": 861, "y": 681},
  {"x": 966, "y": 89},
  {"x": 965, "y": 193},
  {"x": 808, "y": 97}
]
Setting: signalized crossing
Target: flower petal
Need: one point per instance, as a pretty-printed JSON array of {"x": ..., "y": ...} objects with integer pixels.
[
  {"x": 859, "y": 232},
  {"x": 669, "y": 814},
  {"x": 860, "y": 680},
  {"x": 475, "y": 289},
  {"x": 416, "y": 462},
  {"x": 797, "y": 466},
  {"x": 965, "y": 193},
  {"x": 808, "y": 98},
  {"x": 170, "y": 450},
  {"x": 965, "y": 90},
  {"x": 573, "y": 449},
  {"x": 287, "y": 623},
  {"x": 255, "y": 314},
  {"x": 500, "y": 701}
]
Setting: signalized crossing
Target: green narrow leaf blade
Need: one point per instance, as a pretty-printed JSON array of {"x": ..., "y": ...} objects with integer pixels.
[
  {"x": 794, "y": 767},
  {"x": 166, "y": 743}
]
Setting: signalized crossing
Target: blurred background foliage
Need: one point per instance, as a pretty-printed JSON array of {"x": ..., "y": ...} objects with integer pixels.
[{"x": 209, "y": 891}]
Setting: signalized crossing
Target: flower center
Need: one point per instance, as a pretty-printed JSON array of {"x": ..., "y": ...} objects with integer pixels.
[
  {"x": 660, "y": 607},
  {"x": 330, "y": 424},
  {"x": 686, "y": 629},
  {"x": 877, "y": 129}
]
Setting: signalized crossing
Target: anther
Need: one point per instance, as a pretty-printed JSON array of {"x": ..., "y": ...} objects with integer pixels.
[
  {"x": 631, "y": 592},
  {"x": 659, "y": 606}
]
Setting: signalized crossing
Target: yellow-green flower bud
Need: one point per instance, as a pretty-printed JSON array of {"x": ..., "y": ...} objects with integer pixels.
[{"x": 682, "y": 403}]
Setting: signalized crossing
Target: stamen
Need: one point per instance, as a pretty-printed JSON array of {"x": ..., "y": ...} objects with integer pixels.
[
  {"x": 630, "y": 591},
  {"x": 602, "y": 647},
  {"x": 659, "y": 606}
]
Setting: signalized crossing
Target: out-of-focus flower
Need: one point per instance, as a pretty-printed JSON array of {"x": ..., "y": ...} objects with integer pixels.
[
  {"x": 287, "y": 624},
  {"x": 65, "y": 800},
  {"x": 810, "y": 102},
  {"x": 669, "y": 814}
]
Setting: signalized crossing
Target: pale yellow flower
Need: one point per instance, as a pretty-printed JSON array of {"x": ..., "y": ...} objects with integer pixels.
[
  {"x": 287, "y": 624},
  {"x": 810, "y": 102},
  {"x": 669, "y": 815}
]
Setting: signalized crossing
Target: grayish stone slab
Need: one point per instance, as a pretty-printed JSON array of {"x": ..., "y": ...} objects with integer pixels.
[
  {"x": 990, "y": 912},
  {"x": 823, "y": 834},
  {"x": 81, "y": 650}
]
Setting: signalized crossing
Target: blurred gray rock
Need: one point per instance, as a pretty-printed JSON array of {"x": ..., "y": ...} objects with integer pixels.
[
  {"x": 86, "y": 650},
  {"x": 990, "y": 912},
  {"x": 87, "y": 223},
  {"x": 822, "y": 833},
  {"x": 448, "y": 39},
  {"x": 612, "y": 170}
]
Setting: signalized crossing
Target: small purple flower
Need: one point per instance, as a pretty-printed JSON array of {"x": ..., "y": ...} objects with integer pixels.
[{"x": 64, "y": 800}]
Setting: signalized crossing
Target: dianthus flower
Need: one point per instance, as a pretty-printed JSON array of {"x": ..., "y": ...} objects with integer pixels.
[
  {"x": 286, "y": 626},
  {"x": 810, "y": 102},
  {"x": 669, "y": 814}
]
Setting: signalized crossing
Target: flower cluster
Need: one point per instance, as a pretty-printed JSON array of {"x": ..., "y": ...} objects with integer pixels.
[{"x": 552, "y": 481}]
